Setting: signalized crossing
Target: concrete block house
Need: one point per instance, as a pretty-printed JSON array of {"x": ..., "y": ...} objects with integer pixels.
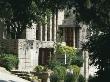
[{"x": 36, "y": 44}]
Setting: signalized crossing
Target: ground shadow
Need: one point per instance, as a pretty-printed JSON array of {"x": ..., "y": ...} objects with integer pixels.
[{"x": 3, "y": 81}]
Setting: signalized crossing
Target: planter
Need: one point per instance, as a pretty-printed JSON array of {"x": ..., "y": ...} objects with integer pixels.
[
  {"x": 39, "y": 80},
  {"x": 43, "y": 75}
]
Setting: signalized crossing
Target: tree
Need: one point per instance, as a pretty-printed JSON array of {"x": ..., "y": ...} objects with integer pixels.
[
  {"x": 19, "y": 14},
  {"x": 73, "y": 56},
  {"x": 96, "y": 14}
]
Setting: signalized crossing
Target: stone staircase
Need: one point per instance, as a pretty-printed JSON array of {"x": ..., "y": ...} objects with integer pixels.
[
  {"x": 22, "y": 74},
  {"x": 7, "y": 76},
  {"x": 38, "y": 77}
]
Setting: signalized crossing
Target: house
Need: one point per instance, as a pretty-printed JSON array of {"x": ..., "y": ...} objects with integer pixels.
[{"x": 36, "y": 44}]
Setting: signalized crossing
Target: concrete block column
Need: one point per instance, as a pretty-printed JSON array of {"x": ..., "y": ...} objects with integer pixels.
[
  {"x": 50, "y": 28},
  {"x": 74, "y": 37},
  {"x": 86, "y": 65},
  {"x": 31, "y": 32},
  {"x": 54, "y": 28}
]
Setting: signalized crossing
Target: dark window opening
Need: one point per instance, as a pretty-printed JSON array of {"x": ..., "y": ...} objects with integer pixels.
[{"x": 45, "y": 54}]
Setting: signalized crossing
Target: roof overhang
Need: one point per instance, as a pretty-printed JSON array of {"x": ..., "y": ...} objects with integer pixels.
[{"x": 69, "y": 26}]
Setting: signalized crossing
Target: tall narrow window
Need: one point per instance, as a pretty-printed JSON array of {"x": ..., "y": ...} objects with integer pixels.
[
  {"x": 69, "y": 36},
  {"x": 77, "y": 37},
  {"x": 48, "y": 28},
  {"x": 43, "y": 32},
  {"x": 37, "y": 32}
]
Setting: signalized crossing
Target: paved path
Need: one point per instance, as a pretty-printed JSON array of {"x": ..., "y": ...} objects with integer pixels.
[{"x": 7, "y": 77}]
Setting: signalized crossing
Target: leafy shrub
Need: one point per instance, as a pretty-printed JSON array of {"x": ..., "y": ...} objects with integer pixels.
[
  {"x": 69, "y": 77},
  {"x": 76, "y": 72},
  {"x": 60, "y": 50},
  {"x": 39, "y": 68},
  {"x": 59, "y": 74},
  {"x": 73, "y": 56},
  {"x": 81, "y": 78},
  {"x": 93, "y": 79},
  {"x": 77, "y": 59},
  {"x": 9, "y": 61},
  {"x": 54, "y": 78},
  {"x": 53, "y": 64}
]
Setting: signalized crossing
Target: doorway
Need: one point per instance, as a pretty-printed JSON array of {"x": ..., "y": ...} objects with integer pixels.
[{"x": 45, "y": 55}]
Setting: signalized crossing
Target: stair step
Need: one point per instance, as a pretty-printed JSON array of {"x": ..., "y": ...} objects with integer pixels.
[{"x": 22, "y": 74}]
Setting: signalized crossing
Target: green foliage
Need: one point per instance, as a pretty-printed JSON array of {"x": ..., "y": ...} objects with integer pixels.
[
  {"x": 9, "y": 61},
  {"x": 53, "y": 64},
  {"x": 70, "y": 78},
  {"x": 39, "y": 69},
  {"x": 81, "y": 78},
  {"x": 93, "y": 79},
  {"x": 73, "y": 74},
  {"x": 19, "y": 14},
  {"x": 61, "y": 50},
  {"x": 74, "y": 62},
  {"x": 76, "y": 72},
  {"x": 73, "y": 56},
  {"x": 69, "y": 50},
  {"x": 77, "y": 59},
  {"x": 59, "y": 73},
  {"x": 95, "y": 14},
  {"x": 54, "y": 78}
]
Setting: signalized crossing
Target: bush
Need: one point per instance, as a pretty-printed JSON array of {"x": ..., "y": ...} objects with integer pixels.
[
  {"x": 39, "y": 68},
  {"x": 60, "y": 50},
  {"x": 69, "y": 77},
  {"x": 77, "y": 59},
  {"x": 54, "y": 78},
  {"x": 81, "y": 78},
  {"x": 9, "y": 61},
  {"x": 53, "y": 64},
  {"x": 59, "y": 74},
  {"x": 72, "y": 73},
  {"x": 93, "y": 79},
  {"x": 73, "y": 56}
]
